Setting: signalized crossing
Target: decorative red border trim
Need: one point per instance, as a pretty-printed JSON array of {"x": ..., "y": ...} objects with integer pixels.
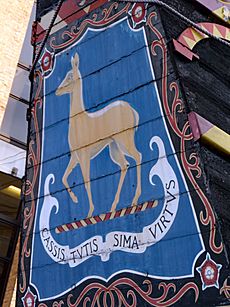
[
  {"x": 192, "y": 164},
  {"x": 114, "y": 291},
  {"x": 32, "y": 160},
  {"x": 116, "y": 296},
  {"x": 96, "y": 21}
]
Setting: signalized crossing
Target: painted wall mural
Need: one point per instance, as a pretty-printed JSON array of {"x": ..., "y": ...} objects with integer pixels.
[{"x": 115, "y": 213}]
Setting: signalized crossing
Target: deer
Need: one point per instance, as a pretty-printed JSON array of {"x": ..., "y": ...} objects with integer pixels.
[{"x": 90, "y": 132}]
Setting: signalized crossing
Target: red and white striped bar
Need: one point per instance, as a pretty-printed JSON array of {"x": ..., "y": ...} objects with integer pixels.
[{"x": 105, "y": 217}]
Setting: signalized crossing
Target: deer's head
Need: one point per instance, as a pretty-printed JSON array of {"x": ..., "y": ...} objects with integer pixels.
[{"x": 71, "y": 77}]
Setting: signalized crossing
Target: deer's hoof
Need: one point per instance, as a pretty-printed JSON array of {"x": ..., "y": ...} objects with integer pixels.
[
  {"x": 113, "y": 208},
  {"x": 74, "y": 198},
  {"x": 90, "y": 213}
]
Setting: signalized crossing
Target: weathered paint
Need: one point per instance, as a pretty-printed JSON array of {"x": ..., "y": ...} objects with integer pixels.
[{"x": 121, "y": 244}]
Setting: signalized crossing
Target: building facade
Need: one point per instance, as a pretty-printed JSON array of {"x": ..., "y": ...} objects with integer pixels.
[
  {"x": 127, "y": 181},
  {"x": 15, "y": 60}
]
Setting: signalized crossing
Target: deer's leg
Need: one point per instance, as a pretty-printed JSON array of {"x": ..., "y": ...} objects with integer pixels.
[
  {"x": 118, "y": 157},
  {"x": 127, "y": 144},
  {"x": 72, "y": 163},
  {"x": 137, "y": 158},
  {"x": 85, "y": 169}
]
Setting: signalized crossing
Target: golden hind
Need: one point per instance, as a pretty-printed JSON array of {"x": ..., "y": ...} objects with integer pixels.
[{"x": 89, "y": 133}]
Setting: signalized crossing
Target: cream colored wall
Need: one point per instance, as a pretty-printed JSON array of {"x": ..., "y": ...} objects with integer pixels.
[
  {"x": 10, "y": 294},
  {"x": 14, "y": 18}
]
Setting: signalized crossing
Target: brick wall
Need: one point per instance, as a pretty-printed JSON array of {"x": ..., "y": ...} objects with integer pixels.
[{"x": 14, "y": 18}]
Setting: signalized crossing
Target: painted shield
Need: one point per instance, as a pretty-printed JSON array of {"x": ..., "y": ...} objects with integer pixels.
[{"x": 112, "y": 196}]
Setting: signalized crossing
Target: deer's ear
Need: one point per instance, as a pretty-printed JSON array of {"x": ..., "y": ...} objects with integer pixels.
[
  {"x": 72, "y": 62},
  {"x": 75, "y": 60}
]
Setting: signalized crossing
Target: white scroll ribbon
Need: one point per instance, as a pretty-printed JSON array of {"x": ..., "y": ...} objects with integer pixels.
[{"x": 117, "y": 240}]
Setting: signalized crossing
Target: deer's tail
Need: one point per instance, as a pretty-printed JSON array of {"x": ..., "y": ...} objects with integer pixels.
[{"x": 136, "y": 119}]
